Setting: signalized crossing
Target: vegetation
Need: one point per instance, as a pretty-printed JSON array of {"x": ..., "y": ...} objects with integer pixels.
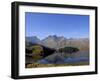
[
  {"x": 37, "y": 50},
  {"x": 68, "y": 49},
  {"x": 36, "y": 65}
]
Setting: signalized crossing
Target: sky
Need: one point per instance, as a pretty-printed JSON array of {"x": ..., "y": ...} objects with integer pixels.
[{"x": 67, "y": 25}]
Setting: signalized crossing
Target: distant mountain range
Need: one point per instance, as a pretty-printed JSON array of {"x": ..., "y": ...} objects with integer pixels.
[
  {"x": 57, "y": 42},
  {"x": 33, "y": 39}
]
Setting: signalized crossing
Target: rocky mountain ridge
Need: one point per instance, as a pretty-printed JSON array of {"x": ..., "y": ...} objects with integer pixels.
[{"x": 57, "y": 42}]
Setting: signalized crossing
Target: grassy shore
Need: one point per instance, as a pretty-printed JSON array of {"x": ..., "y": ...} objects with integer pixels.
[{"x": 38, "y": 65}]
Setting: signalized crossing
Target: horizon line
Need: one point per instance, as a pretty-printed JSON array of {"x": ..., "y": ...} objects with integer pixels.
[{"x": 58, "y": 36}]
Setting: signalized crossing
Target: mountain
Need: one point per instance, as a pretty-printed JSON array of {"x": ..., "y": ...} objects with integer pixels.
[
  {"x": 54, "y": 41},
  {"x": 33, "y": 39},
  {"x": 57, "y": 42},
  {"x": 60, "y": 42}
]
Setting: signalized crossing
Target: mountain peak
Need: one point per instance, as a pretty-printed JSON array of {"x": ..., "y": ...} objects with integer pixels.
[{"x": 52, "y": 36}]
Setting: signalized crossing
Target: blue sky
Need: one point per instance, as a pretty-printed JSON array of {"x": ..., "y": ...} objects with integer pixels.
[{"x": 67, "y": 25}]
